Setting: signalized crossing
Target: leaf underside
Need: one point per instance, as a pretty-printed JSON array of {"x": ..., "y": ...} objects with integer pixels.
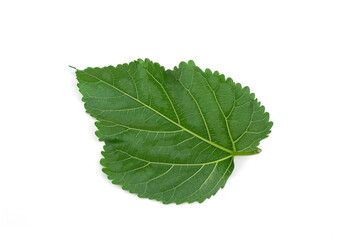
[{"x": 171, "y": 135}]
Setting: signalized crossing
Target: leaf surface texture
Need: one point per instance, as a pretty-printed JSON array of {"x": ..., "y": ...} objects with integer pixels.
[{"x": 171, "y": 135}]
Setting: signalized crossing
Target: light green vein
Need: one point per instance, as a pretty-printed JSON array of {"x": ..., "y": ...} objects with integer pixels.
[
  {"x": 197, "y": 104},
  {"x": 138, "y": 129},
  {"x": 226, "y": 121},
  {"x": 177, "y": 124},
  {"x": 162, "y": 87},
  {"x": 251, "y": 118},
  {"x": 175, "y": 164}
]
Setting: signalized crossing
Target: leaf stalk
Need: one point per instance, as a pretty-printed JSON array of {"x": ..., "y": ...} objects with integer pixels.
[{"x": 257, "y": 151}]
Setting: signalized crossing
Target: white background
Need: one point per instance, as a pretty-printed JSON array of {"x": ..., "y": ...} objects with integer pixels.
[{"x": 301, "y": 58}]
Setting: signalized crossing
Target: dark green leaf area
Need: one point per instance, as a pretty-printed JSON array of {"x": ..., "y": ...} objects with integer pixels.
[{"x": 171, "y": 135}]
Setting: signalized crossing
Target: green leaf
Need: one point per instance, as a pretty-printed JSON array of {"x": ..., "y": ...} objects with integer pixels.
[{"x": 171, "y": 135}]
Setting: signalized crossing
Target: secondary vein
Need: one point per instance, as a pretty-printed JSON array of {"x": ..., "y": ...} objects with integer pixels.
[{"x": 154, "y": 110}]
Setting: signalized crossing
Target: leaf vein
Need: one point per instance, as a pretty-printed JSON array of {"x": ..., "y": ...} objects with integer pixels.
[{"x": 187, "y": 130}]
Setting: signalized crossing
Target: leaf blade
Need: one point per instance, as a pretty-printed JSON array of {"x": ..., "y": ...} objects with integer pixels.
[{"x": 167, "y": 127}]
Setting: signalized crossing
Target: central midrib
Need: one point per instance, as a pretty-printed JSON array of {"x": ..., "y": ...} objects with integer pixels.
[{"x": 170, "y": 120}]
